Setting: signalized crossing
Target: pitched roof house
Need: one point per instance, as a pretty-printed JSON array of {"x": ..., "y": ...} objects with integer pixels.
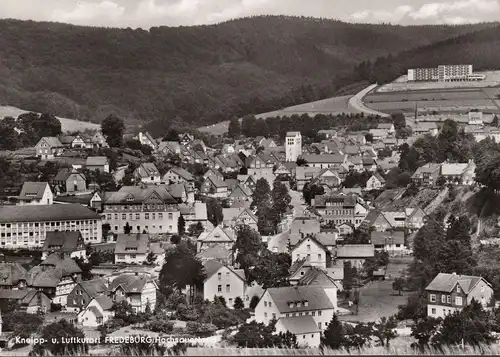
[
  {"x": 448, "y": 293},
  {"x": 147, "y": 173},
  {"x": 100, "y": 163},
  {"x": 223, "y": 280},
  {"x": 35, "y": 193},
  {"x": 138, "y": 289},
  {"x": 69, "y": 243},
  {"x": 48, "y": 147},
  {"x": 217, "y": 236}
]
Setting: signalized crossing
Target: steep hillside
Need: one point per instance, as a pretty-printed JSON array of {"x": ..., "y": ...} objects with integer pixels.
[{"x": 201, "y": 74}]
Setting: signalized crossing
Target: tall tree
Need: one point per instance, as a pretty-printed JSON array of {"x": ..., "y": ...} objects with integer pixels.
[
  {"x": 181, "y": 268},
  {"x": 113, "y": 129},
  {"x": 334, "y": 335},
  {"x": 234, "y": 130},
  {"x": 261, "y": 194},
  {"x": 181, "y": 225},
  {"x": 272, "y": 269},
  {"x": 281, "y": 199},
  {"x": 214, "y": 212},
  {"x": 247, "y": 248}
]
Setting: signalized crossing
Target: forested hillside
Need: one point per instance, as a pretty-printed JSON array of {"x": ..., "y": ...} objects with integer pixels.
[
  {"x": 480, "y": 48},
  {"x": 202, "y": 74}
]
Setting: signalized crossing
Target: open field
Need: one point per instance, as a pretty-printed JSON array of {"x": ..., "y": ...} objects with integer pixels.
[
  {"x": 443, "y": 100},
  {"x": 401, "y": 84},
  {"x": 377, "y": 299},
  {"x": 333, "y": 106},
  {"x": 67, "y": 125}
]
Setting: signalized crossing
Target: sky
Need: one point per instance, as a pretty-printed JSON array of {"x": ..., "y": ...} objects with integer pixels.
[{"x": 148, "y": 13}]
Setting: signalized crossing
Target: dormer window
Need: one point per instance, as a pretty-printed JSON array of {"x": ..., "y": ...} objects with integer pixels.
[
  {"x": 458, "y": 289},
  {"x": 299, "y": 304},
  {"x": 306, "y": 303},
  {"x": 130, "y": 198},
  {"x": 291, "y": 305}
]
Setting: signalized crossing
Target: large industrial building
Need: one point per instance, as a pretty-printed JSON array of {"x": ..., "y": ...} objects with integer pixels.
[{"x": 445, "y": 73}]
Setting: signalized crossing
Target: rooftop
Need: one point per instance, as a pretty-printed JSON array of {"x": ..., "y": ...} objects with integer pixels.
[{"x": 46, "y": 213}]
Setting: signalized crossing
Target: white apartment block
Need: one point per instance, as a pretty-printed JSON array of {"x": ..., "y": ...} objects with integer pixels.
[
  {"x": 445, "y": 73},
  {"x": 150, "y": 209},
  {"x": 293, "y": 145},
  {"x": 27, "y": 226}
]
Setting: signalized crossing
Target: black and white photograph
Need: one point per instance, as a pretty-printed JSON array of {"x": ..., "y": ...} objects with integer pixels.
[{"x": 249, "y": 177}]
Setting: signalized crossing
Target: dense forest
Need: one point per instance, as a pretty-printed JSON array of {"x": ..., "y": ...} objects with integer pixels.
[{"x": 200, "y": 74}]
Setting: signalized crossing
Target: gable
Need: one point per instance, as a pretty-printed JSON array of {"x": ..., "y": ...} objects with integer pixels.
[
  {"x": 218, "y": 235},
  {"x": 315, "y": 246},
  {"x": 153, "y": 198}
]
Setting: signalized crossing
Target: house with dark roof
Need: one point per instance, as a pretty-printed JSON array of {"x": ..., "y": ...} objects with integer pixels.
[
  {"x": 35, "y": 193},
  {"x": 302, "y": 302},
  {"x": 97, "y": 312},
  {"x": 131, "y": 248},
  {"x": 326, "y": 161},
  {"x": 354, "y": 253},
  {"x": 147, "y": 173},
  {"x": 329, "y": 179},
  {"x": 69, "y": 181},
  {"x": 55, "y": 276},
  {"x": 218, "y": 253},
  {"x": 30, "y": 301},
  {"x": 223, "y": 280},
  {"x": 48, "y": 147},
  {"x": 83, "y": 292},
  {"x": 214, "y": 187},
  {"x": 194, "y": 213},
  {"x": 304, "y": 174},
  {"x": 340, "y": 208},
  {"x": 179, "y": 175},
  {"x": 376, "y": 220},
  {"x": 12, "y": 276},
  {"x": 392, "y": 242},
  {"x": 426, "y": 174},
  {"x": 138, "y": 289},
  {"x": 69, "y": 243},
  {"x": 234, "y": 217},
  {"x": 448, "y": 293},
  {"x": 315, "y": 253},
  {"x": 146, "y": 139},
  {"x": 240, "y": 192},
  {"x": 330, "y": 277},
  {"x": 82, "y": 141},
  {"x": 99, "y": 163},
  {"x": 304, "y": 328}
]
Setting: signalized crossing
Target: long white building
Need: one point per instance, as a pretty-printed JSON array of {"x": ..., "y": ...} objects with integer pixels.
[
  {"x": 27, "y": 226},
  {"x": 445, "y": 73}
]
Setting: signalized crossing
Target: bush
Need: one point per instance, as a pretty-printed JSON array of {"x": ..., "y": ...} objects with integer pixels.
[
  {"x": 158, "y": 325},
  {"x": 200, "y": 328}
]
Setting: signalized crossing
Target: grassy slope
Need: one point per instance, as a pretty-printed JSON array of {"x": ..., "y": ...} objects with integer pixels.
[{"x": 193, "y": 72}]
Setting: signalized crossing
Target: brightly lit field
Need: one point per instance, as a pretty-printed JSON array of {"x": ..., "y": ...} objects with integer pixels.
[
  {"x": 67, "y": 125},
  {"x": 333, "y": 106}
]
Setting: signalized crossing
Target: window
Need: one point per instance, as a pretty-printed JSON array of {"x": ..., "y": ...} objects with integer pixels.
[
  {"x": 448, "y": 299},
  {"x": 274, "y": 315},
  {"x": 319, "y": 256},
  {"x": 313, "y": 313},
  {"x": 432, "y": 297},
  {"x": 265, "y": 303},
  {"x": 137, "y": 216},
  {"x": 433, "y": 311},
  {"x": 482, "y": 289},
  {"x": 153, "y": 215},
  {"x": 160, "y": 215},
  {"x": 146, "y": 215},
  {"x": 219, "y": 276},
  {"x": 219, "y": 288},
  {"x": 319, "y": 325},
  {"x": 270, "y": 304},
  {"x": 319, "y": 313},
  {"x": 230, "y": 301},
  {"x": 170, "y": 216},
  {"x": 265, "y": 315},
  {"x": 458, "y": 301},
  {"x": 227, "y": 275},
  {"x": 308, "y": 247},
  {"x": 443, "y": 299},
  {"x": 228, "y": 288},
  {"x": 458, "y": 289},
  {"x": 124, "y": 216}
]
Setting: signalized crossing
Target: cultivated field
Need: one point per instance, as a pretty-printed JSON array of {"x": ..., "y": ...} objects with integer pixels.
[
  {"x": 444, "y": 100},
  {"x": 333, "y": 106},
  {"x": 68, "y": 125}
]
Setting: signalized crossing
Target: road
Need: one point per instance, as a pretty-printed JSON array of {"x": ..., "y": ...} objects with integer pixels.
[{"x": 356, "y": 102}]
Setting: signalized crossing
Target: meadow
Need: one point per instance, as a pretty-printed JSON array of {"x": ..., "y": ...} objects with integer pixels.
[{"x": 67, "y": 125}]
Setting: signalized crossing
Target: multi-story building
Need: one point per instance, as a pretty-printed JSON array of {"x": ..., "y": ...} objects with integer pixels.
[
  {"x": 147, "y": 139},
  {"x": 138, "y": 289},
  {"x": 448, "y": 293},
  {"x": 293, "y": 145},
  {"x": 147, "y": 173},
  {"x": 426, "y": 174},
  {"x": 445, "y": 73},
  {"x": 27, "y": 226},
  {"x": 306, "y": 305},
  {"x": 131, "y": 248},
  {"x": 150, "y": 209},
  {"x": 223, "y": 281},
  {"x": 340, "y": 209},
  {"x": 48, "y": 147}
]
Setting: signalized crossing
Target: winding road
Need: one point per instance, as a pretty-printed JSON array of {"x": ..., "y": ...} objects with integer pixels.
[{"x": 356, "y": 103}]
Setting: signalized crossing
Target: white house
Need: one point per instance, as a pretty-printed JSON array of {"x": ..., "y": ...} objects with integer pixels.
[
  {"x": 147, "y": 139},
  {"x": 388, "y": 241},
  {"x": 313, "y": 251},
  {"x": 35, "y": 193},
  {"x": 147, "y": 173},
  {"x": 131, "y": 248},
  {"x": 223, "y": 281},
  {"x": 293, "y": 145},
  {"x": 97, "y": 312},
  {"x": 375, "y": 182},
  {"x": 139, "y": 290},
  {"x": 306, "y": 302},
  {"x": 217, "y": 236},
  {"x": 48, "y": 147},
  {"x": 305, "y": 329}
]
